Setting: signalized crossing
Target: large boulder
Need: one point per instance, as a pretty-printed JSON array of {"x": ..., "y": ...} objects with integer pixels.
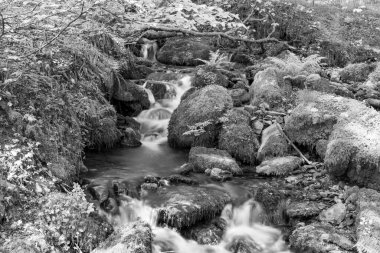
[
  {"x": 129, "y": 98},
  {"x": 134, "y": 237},
  {"x": 237, "y": 137},
  {"x": 199, "y": 113},
  {"x": 265, "y": 88},
  {"x": 209, "y": 75},
  {"x": 352, "y": 134},
  {"x": 184, "y": 52},
  {"x": 202, "y": 158},
  {"x": 184, "y": 206}
]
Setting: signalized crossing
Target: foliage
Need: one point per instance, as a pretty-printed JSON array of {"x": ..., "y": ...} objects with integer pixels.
[
  {"x": 198, "y": 128},
  {"x": 64, "y": 220},
  {"x": 293, "y": 66},
  {"x": 217, "y": 59}
]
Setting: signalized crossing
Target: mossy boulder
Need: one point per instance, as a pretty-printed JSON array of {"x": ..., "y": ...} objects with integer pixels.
[
  {"x": 202, "y": 158},
  {"x": 209, "y": 75},
  {"x": 239, "y": 97},
  {"x": 184, "y": 52},
  {"x": 279, "y": 165},
  {"x": 352, "y": 131},
  {"x": 184, "y": 206},
  {"x": 129, "y": 98},
  {"x": 134, "y": 237},
  {"x": 237, "y": 137},
  {"x": 321, "y": 84},
  {"x": 201, "y": 111},
  {"x": 265, "y": 88},
  {"x": 357, "y": 72}
]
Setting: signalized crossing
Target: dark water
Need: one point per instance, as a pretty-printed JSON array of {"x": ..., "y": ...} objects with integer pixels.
[{"x": 129, "y": 163}]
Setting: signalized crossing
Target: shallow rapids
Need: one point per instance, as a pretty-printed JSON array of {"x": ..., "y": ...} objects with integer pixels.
[{"x": 243, "y": 224}]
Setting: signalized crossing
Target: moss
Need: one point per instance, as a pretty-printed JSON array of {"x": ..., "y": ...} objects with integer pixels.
[
  {"x": 209, "y": 75},
  {"x": 206, "y": 104},
  {"x": 358, "y": 72},
  {"x": 237, "y": 137}
]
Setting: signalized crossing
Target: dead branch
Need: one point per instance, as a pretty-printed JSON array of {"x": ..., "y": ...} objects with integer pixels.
[
  {"x": 207, "y": 34},
  {"x": 56, "y": 36},
  {"x": 292, "y": 144},
  {"x": 2, "y": 25}
]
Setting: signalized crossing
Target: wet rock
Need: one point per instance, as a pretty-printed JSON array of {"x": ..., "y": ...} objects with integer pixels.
[
  {"x": 130, "y": 99},
  {"x": 203, "y": 106},
  {"x": 101, "y": 191},
  {"x": 149, "y": 187},
  {"x": 161, "y": 90},
  {"x": 279, "y": 165},
  {"x": 151, "y": 179},
  {"x": 184, "y": 206},
  {"x": 208, "y": 234},
  {"x": 239, "y": 96},
  {"x": 265, "y": 88},
  {"x": 220, "y": 175},
  {"x": 209, "y": 75},
  {"x": 130, "y": 70},
  {"x": 304, "y": 209},
  {"x": 273, "y": 143},
  {"x": 243, "y": 245},
  {"x": 237, "y": 137},
  {"x": 321, "y": 147},
  {"x": 130, "y": 188},
  {"x": 185, "y": 169},
  {"x": 318, "y": 83},
  {"x": 179, "y": 179},
  {"x": 357, "y": 72},
  {"x": 184, "y": 52},
  {"x": 208, "y": 158},
  {"x": 131, "y": 138},
  {"x": 335, "y": 214},
  {"x": 368, "y": 221},
  {"x": 321, "y": 238},
  {"x": 135, "y": 237}
]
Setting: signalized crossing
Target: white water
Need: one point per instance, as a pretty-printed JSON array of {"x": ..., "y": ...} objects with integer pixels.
[{"x": 242, "y": 222}]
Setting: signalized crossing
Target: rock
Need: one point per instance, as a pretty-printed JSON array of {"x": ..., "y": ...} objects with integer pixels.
[
  {"x": 149, "y": 187},
  {"x": 220, "y": 175},
  {"x": 297, "y": 81},
  {"x": 239, "y": 96},
  {"x": 351, "y": 129},
  {"x": 375, "y": 103},
  {"x": 209, "y": 75},
  {"x": 130, "y": 99},
  {"x": 243, "y": 58},
  {"x": 208, "y": 234},
  {"x": 131, "y": 138},
  {"x": 244, "y": 245},
  {"x": 257, "y": 126},
  {"x": 279, "y": 165},
  {"x": 134, "y": 237},
  {"x": 128, "y": 69},
  {"x": 185, "y": 169},
  {"x": 203, "y": 106},
  {"x": 304, "y": 209},
  {"x": 265, "y": 88},
  {"x": 357, "y": 72},
  {"x": 237, "y": 137},
  {"x": 161, "y": 90},
  {"x": 321, "y": 238},
  {"x": 368, "y": 221},
  {"x": 335, "y": 214},
  {"x": 273, "y": 143},
  {"x": 318, "y": 83},
  {"x": 179, "y": 179},
  {"x": 208, "y": 158},
  {"x": 184, "y": 52},
  {"x": 184, "y": 206}
]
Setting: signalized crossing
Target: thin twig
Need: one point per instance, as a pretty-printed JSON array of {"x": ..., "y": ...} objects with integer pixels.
[
  {"x": 249, "y": 16},
  {"x": 2, "y": 25},
  {"x": 292, "y": 144},
  {"x": 56, "y": 36}
]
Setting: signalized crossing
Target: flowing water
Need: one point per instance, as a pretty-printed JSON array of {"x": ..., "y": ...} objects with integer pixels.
[{"x": 156, "y": 158}]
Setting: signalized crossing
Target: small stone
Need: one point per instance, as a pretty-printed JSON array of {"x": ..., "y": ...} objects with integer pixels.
[
  {"x": 149, "y": 186},
  {"x": 220, "y": 175},
  {"x": 335, "y": 214}
]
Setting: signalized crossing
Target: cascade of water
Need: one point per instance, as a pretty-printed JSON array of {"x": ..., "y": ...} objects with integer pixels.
[{"x": 242, "y": 223}]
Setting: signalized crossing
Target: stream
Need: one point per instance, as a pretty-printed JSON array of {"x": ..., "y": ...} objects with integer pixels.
[{"x": 156, "y": 158}]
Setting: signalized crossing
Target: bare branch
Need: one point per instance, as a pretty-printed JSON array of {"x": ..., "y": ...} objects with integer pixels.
[
  {"x": 274, "y": 25},
  {"x": 207, "y": 34},
  {"x": 2, "y": 25},
  {"x": 56, "y": 36}
]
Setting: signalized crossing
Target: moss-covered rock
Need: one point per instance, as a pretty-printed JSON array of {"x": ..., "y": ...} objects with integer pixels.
[
  {"x": 184, "y": 52},
  {"x": 318, "y": 83},
  {"x": 279, "y": 165},
  {"x": 237, "y": 137},
  {"x": 273, "y": 143},
  {"x": 184, "y": 206},
  {"x": 202, "y": 158},
  {"x": 135, "y": 237},
  {"x": 265, "y": 88},
  {"x": 357, "y": 72},
  {"x": 209, "y": 75},
  {"x": 239, "y": 97},
  {"x": 199, "y": 112}
]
